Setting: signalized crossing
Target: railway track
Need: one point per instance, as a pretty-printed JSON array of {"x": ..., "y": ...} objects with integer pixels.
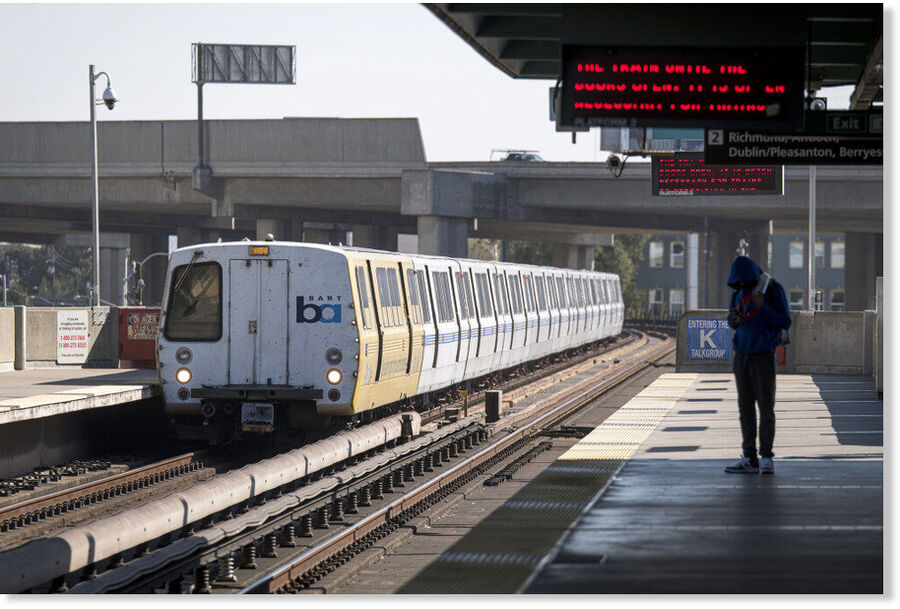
[
  {"x": 65, "y": 501},
  {"x": 262, "y": 539},
  {"x": 327, "y": 556}
]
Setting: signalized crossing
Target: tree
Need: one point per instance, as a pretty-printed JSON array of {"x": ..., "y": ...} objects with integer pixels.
[{"x": 623, "y": 259}]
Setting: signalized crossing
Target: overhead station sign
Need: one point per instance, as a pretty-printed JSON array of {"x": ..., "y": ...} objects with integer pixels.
[
  {"x": 750, "y": 88},
  {"x": 828, "y": 138},
  {"x": 687, "y": 174}
]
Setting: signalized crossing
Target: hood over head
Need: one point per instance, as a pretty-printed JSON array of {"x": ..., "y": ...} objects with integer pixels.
[{"x": 743, "y": 270}]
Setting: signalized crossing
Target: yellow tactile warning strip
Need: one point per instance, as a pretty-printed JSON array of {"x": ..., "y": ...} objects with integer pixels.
[{"x": 501, "y": 552}]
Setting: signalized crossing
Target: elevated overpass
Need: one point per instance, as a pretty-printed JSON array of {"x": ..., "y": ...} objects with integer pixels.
[{"x": 316, "y": 179}]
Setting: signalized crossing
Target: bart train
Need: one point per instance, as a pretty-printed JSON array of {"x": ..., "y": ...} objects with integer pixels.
[{"x": 259, "y": 335}]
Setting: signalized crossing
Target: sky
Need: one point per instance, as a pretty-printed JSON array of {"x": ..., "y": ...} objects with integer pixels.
[{"x": 353, "y": 60}]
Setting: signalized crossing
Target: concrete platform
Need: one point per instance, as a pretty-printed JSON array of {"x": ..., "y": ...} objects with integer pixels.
[
  {"x": 642, "y": 505},
  {"x": 46, "y": 392}
]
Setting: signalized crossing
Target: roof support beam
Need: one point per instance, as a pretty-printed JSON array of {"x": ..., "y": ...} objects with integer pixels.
[{"x": 870, "y": 82}]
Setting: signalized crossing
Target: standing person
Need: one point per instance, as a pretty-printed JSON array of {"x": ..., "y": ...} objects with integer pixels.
[{"x": 758, "y": 312}]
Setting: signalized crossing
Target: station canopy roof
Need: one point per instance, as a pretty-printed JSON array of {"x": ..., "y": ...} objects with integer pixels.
[{"x": 844, "y": 41}]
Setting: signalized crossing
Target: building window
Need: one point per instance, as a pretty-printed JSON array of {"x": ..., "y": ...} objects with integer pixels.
[
  {"x": 837, "y": 254},
  {"x": 795, "y": 255},
  {"x": 676, "y": 255},
  {"x": 676, "y": 301},
  {"x": 655, "y": 300},
  {"x": 770, "y": 251},
  {"x": 656, "y": 254},
  {"x": 820, "y": 254},
  {"x": 796, "y": 299},
  {"x": 837, "y": 300}
]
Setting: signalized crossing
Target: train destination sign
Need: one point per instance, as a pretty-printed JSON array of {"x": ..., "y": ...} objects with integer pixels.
[
  {"x": 749, "y": 88},
  {"x": 828, "y": 138},
  {"x": 687, "y": 174}
]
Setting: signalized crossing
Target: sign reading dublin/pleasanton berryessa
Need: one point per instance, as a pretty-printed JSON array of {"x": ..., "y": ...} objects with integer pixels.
[
  {"x": 751, "y": 88},
  {"x": 243, "y": 63},
  {"x": 840, "y": 137}
]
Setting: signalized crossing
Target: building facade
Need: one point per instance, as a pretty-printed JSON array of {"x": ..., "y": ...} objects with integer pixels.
[{"x": 668, "y": 273}]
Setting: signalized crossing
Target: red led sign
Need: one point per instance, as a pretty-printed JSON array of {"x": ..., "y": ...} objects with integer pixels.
[
  {"x": 687, "y": 174},
  {"x": 759, "y": 88}
]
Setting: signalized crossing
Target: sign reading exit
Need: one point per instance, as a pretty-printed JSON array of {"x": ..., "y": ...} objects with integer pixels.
[{"x": 708, "y": 339}]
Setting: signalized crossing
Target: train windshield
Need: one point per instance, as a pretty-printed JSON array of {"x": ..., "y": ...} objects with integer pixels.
[{"x": 195, "y": 303}]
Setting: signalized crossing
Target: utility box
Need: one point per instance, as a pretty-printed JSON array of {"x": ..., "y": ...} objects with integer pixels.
[
  {"x": 138, "y": 327},
  {"x": 493, "y": 403}
]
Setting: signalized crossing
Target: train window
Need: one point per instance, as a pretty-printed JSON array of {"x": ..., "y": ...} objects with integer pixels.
[
  {"x": 195, "y": 303},
  {"x": 463, "y": 301},
  {"x": 423, "y": 290},
  {"x": 561, "y": 292},
  {"x": 414, "y": 304},
  {"x": 396, "y": 303},
  {"x": 529, "y": 294},
  {"x": 363, "y": 296},
  {"x": 467, "y": 285},
  {"x": 500, "y": 291},
  {"x": 541, "y": 295},
  {"x": 551, "y": 294},
  {"x": 588, "y": 295},
  {"x": 515, "y": 292},
  {"x": 484, "y": 296},
  {"x": 443, "y": 296}
]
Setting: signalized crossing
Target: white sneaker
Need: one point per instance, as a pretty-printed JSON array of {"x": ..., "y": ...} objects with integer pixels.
[
  {"x": 766, "y": 465},
  {"x": 745, "y": 466}
]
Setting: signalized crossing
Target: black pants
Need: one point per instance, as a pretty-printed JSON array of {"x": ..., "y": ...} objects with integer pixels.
[{"x": 754, "y": 374}]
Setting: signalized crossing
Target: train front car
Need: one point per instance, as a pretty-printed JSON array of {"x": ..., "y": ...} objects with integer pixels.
[{"x": 257, "y": 336}]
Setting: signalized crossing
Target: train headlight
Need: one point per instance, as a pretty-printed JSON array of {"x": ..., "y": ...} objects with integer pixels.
[
  {"x": 334, "y": 376},
  {"x": 334, "y": 356},
  {"x": 183, "y": 376},
  {"x": 183, "y": 355}
]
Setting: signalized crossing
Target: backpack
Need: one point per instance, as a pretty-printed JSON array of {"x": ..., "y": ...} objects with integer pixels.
[{"x": 784, "y": 335}]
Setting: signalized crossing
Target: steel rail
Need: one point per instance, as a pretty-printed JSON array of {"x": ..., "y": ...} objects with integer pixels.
[
  {"x": 62, "y": 501},
  {"x": 390, "y": 513}
]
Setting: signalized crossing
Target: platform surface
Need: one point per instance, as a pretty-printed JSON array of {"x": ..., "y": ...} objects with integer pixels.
[
  {"x": 44, "y": 392},
  {"x": 647, "y": 507}
]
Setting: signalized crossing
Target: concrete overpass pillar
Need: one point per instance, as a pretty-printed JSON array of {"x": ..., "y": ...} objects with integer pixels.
[
  {"x": 114, "y": 257},
  {"x": 376, "y": 237},
  {"x": 863, "y": 262},
  {"x": 442, "y": 236},
  {"x": 721, "y": 250},
  {"x": 569, "y": 256},
  {"x": 154, "y": 270},
  {"x": 188, "y": 235}
]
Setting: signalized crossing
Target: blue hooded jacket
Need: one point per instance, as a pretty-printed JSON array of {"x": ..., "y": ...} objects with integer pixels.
[{"x": 758, "y": 329}]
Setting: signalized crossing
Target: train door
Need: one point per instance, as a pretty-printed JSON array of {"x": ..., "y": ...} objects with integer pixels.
[
  {"x": 258, "y": 316},
  {"x": 517, "y": 311},
  {"x": 532, "y": 318},
  {"x": 447, "y": 327},
  {"x": 464, "y": 315},
  {"x": 429, "y": 323},
  {"x": 543, "y": 337}
]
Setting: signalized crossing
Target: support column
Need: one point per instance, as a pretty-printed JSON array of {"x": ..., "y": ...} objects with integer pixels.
[
  {"x": 376, "y": 237},
  {"x": 113, "y": 272},
  {"x": 154, "y": 270},
  {"x": 443, "y": 236},
  {"x": 724, "y": 240},
  {"x": 569, "y": 256},
  {"x": 863, "y": 263},
  {"x": 189, "y": 236}
]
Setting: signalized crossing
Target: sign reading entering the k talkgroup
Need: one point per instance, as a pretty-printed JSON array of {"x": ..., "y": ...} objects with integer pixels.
[{"x": 708, "y": 339}]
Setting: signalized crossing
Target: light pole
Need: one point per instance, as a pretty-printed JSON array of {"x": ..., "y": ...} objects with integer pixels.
[{"x": 109, "y": 99}]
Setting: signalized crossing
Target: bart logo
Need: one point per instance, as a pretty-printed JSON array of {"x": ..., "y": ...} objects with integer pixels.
[{"x": 309, "y": 313}]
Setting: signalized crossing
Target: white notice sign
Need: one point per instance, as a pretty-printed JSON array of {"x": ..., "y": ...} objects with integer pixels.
[{"x": 71, "y": 337}]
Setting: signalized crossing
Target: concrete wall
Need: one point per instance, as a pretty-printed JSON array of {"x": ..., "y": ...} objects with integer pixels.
[
  {"x": 823, "y": 342},
  {"x": 832, "y": 342},
  {"x": 41, "y": 336},
  {"x": 7, "y": 338}
]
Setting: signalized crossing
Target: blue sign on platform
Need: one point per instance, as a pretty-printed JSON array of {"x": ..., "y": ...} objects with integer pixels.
[{"x": 708, "y": 339}]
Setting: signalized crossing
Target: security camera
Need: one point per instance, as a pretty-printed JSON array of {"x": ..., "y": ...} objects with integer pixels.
[
  {"x": 818, "y": 104},
  {"x": 109, "y": 98},
  {"x": 613, "y": 163}
]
